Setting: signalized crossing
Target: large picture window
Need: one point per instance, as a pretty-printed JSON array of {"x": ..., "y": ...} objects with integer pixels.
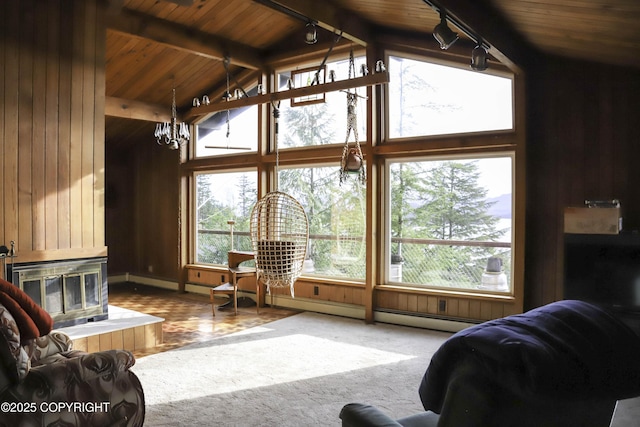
[
  {"x": 450, "y": 222},
  {"x": 431, "y": 99},
  {"x": 336, "y": 215},
  {"x": 220, "y": 198},
  {"x": 442, "y": 215}
]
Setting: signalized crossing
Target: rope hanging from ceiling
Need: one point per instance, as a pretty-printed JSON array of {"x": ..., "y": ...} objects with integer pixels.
[{"x": 352, "y": 157}]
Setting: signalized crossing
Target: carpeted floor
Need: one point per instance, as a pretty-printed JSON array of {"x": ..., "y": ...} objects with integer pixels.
[{"x": 297, "y": 371}]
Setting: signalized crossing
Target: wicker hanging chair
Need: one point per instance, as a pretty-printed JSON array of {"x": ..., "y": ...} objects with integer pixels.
[{"x": 279, "y": 234}]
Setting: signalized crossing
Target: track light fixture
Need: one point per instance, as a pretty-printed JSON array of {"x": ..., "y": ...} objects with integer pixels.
[
  {"x": 443, "y": 34},
  {"x": 479, "y": 58},
  {"x": 310, "y": 35}
]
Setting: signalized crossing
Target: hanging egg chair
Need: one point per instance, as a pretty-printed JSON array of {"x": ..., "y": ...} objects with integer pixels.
[{"x": 279, "y": 231}]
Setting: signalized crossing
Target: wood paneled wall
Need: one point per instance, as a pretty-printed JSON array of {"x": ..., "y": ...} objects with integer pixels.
[
  {"x": 143, "y": 209},
  {"x": 52, "y": 92},
  {"x": 583, "y": 143}
]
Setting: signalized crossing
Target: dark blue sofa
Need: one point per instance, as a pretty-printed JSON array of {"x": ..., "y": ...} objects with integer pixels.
[{"x": 563, "y": 364}]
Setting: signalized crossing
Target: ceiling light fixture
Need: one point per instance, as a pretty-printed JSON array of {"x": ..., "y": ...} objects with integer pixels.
[
  {"x": 172, "y": 134},
  {"x": 446, "y": 37},
  {"x": 310, "y": 35},
  {"x": 479, "y": 57},
  {"x": 443, "y": 34}
]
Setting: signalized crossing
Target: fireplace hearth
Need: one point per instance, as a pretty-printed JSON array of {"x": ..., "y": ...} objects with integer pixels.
[{"x": 71, "y": 291}]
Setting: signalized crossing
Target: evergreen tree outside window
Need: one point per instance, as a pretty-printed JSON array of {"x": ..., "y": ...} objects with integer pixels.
[
  {"x": 447, "y": 217},
  {"x": 221, "y": 197}
]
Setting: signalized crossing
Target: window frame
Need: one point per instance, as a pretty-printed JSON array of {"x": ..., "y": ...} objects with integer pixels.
[
  {"x": 495, "y": 70},
  {"x": 387, "y": 227},
  {"x": 378, "y": 148},
  {"x": 194, "y": 211}
]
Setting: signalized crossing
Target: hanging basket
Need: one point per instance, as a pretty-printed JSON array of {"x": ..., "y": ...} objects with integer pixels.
[{"x": 279, "y": 234}]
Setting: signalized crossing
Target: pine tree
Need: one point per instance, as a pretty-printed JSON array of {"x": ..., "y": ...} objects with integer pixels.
[
  {"x": 442, "y": 201},
  {"x": 456, "y": 206}
]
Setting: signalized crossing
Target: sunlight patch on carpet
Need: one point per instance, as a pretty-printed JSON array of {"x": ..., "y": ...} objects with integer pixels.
[{"x": 195, "y": 372}]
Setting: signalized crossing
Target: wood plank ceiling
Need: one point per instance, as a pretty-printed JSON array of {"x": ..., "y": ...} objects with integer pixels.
[{"x": 154, "y": 45}]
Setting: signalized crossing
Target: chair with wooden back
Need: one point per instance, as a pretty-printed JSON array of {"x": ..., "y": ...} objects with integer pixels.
[{"x": 236, "y": 272}]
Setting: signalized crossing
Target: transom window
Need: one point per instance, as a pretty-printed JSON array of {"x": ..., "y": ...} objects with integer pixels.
[
  {"x": 432, "y": 99},
  {"x": 320, "y": 123}
]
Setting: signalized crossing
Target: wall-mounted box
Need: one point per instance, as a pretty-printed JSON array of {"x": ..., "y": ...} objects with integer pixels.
[{"x": 592, "y": 220}]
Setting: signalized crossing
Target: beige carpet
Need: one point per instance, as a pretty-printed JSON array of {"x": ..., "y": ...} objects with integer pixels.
[{"x": 298, "y": 371}]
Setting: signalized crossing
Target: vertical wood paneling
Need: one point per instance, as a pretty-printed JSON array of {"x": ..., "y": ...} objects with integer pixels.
[
  {"x": 99, "y": 155},
  {"x": 88, "y": 124},
  {"x": 75, "y": 148},
  {"x": 52, "y": 137},
  {"x": 10, "y": 145},
  {"x": 3, "y": 25},
  {"x": 39, "y": 102},
  {"x": 64, "y": 130},
  {"x": 582, "y": 144},
  {"x": 52, "y": 128},
  {"x": 25, "y": 131}
]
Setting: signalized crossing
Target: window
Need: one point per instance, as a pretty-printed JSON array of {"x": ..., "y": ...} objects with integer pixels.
[
  {"x": 228, "y": 132},
  {"x": 321, "y": 123},
  {"x": 431, "y": 99},
  {"x": 444, "y": 218},
  {"x": 222, "y": 197},
  {"x": 336, "y": 215},
  {"x": 447, "y": 218}
]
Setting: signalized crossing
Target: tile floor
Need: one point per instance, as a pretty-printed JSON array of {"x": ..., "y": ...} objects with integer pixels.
[{"x": 188, "y": 317}]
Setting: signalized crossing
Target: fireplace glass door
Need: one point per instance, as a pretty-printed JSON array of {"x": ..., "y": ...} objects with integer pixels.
[{"x": 71, "y": 292}]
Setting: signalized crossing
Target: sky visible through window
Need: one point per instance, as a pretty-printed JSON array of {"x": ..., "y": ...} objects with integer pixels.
[{"x": 431, "y": 99}]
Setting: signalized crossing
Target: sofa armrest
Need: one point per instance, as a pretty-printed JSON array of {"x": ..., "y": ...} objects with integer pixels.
[
  {"x": 75, "y": 376},
  {"x": 42, "y": 349},
  {"x": 89, "y": 366}
]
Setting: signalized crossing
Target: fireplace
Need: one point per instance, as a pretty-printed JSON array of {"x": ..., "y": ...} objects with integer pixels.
[{"x": 71, "y": 291}]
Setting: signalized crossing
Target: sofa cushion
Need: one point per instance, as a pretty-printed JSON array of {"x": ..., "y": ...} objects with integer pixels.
[
  {"x": 32, "y": 320},
  {"x": 14, "y": 360}
]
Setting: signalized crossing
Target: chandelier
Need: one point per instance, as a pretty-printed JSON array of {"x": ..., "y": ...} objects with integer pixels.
[{"x": 171, "y": 134}]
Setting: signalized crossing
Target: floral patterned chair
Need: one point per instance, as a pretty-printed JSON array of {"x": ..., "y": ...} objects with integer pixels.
[{"x": 44, "y": 382}]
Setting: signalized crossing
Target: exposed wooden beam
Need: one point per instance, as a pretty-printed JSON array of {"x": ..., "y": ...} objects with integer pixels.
[
  {"x": 183, "y": 38},
  {"x": 331, "y": 18},
  {"x": 369, "y": 80},
  {"x": 506, "y": 45},
  {"x": 129, "y": 109}
]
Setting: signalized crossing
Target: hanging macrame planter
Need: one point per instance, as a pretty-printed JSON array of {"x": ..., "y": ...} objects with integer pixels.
[{"x": 352, "y": 161}]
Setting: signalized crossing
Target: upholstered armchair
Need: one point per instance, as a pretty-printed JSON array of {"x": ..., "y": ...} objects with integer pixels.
[
  {"x": 44, "y": 382},
  {"x": 563, "y": 364}
]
